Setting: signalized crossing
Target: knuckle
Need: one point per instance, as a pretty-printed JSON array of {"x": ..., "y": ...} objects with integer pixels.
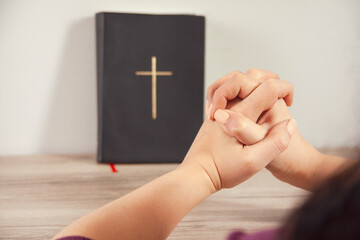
[
  {"x": 252, "y": 71},
  {"x": 218, "y": 93},
  {"x": 291, "y": 87},
  {"x": 218, "y": 101},
  {"x": 229, "y": 89},
  {"x": 236, "y": 74},
  {"x": 250, "y": 165},
  {"x": 256, "y": 73},
  {"x": 212, "y": 86},
  {"x": 209, "y": 91},
  {"x": 281, "y": 142},
  {"x": 215, "y": 97},
  {"x": 238, "y": 81},
  {"x": 272, "y": 82},
  {"x": 239, "y": 127},
  {"x": 271, "y": 85}
]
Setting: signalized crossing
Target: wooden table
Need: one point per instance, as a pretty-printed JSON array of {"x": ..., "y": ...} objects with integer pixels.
[{"x": 40, "y": 195}]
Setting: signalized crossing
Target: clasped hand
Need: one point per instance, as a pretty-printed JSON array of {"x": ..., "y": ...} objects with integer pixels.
[{"x": 247, "y": 127}]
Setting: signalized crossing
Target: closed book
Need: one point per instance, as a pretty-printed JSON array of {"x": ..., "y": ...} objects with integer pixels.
[{"x": 150, "y": 76}]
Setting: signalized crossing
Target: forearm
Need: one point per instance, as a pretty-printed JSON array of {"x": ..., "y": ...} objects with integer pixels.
[
  {"x": 328, "y": 166},
  {"x": 150, "y": 212},
  {"x": 305, "y": 166}
]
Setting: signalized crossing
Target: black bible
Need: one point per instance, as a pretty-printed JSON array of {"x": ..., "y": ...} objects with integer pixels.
[{"x": 150, "y": 76}]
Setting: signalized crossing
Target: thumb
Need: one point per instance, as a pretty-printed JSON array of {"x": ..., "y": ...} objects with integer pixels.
[
  {"x": 237, "y": 125},
  {"x": 277, "y": 141}
]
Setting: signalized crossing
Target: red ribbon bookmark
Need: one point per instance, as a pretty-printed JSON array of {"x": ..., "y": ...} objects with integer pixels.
[{"x": 113, "y": 168}]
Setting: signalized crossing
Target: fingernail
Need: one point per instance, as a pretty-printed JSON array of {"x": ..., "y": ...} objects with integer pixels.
[
  {"x": 221, "y": 116},
  {"x": 291, "y": 126},
  {"x": 210, "y": 111}
]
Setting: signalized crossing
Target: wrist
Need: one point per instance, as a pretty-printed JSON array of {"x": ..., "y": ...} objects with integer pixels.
[
  {"x": 199, "y": 157},
  {"x": 329, "y": 165},
  {"x": 297, "y": 165},
  {"x": 203, "y": 175}
]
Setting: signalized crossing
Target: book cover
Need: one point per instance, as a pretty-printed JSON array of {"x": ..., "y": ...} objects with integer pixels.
[{"x": 150, "y": 76}]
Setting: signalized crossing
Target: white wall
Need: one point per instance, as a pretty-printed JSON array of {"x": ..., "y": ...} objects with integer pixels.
[{"x": 47, "y": 64}]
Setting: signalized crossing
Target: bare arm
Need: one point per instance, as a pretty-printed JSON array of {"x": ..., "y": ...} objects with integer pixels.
[{"x": 150, "y": 212}]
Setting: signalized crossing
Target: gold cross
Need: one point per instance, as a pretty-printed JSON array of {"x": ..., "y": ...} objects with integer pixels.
[{"x": 153, "y": 73}]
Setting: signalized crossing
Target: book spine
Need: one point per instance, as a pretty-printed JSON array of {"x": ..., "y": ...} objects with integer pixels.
[
  {"x": 100, "y": 36},
  {"x": 203, "y": 51}
]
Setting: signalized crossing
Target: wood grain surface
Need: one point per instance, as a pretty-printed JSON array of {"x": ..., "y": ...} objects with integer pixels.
[{"x": 40, "y": 195}]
